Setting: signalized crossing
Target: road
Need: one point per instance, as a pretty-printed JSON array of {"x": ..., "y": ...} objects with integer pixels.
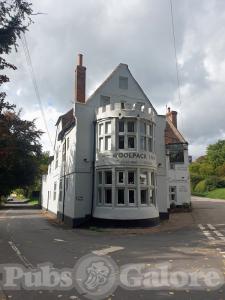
[{"x": 189, "y": 241}]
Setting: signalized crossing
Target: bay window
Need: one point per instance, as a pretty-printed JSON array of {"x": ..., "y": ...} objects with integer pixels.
[{"x": 104, "y": 136}]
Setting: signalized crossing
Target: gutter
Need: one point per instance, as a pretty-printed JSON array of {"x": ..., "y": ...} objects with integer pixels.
[{"x": 93, "y": 171}]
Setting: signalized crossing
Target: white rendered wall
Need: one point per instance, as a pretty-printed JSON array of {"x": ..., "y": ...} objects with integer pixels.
[
  {"x": 179, "y": 177},
  {"x": 162, "y": 199}
]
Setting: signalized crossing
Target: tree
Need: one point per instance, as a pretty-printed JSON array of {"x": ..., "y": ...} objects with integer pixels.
[
  {"x": 14, "y": 21},
  {"x": 19, "y": 139},
  {"x": 216, "y": 153},
  {"x": 20, "y": 150}
]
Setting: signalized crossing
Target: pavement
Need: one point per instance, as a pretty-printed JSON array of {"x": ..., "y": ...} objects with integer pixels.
[
  {"x": 18, "y": 204},
  {"x": 188, "y": 241}
]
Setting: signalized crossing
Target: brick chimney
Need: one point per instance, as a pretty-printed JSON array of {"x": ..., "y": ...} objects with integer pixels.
[
  {"x": 80, "y": 80},
  {"x": 172, "y": 115}
]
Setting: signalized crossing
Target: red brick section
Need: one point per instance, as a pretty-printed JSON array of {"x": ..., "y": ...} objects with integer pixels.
[
  {"x": 172, "y": 115},
  {"x": 80, "y": 81},
  {"x": 170, "y": 136}
]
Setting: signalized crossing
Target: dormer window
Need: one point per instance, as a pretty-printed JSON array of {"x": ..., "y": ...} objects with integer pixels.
[
  {"x": 104, "y": 100},
  {"x": 123, "y": 83}
]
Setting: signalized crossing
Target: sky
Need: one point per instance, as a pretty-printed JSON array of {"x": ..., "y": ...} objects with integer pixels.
[{"x": 138, "y": 33}]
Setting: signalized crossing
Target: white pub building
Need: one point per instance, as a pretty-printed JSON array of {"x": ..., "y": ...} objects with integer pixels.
[{"x": 115, "y": 159}]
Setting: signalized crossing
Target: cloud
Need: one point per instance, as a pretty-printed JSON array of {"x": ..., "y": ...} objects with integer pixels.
[{"x": 137, "y": 33}]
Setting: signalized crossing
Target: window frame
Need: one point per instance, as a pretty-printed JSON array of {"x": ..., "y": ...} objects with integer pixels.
[
  {"x": 135, "y": 197},
  {"x": 117, "y": 196},
  {"x": 147, "y": 192}
]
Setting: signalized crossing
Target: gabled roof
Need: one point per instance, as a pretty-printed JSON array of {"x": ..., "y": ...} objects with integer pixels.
[
  {"x": 65, "y": 118},
  {"x": 68, "y": 121},
  {"x": 172, "y": 134},
  {"x": 111, "y": 75}
]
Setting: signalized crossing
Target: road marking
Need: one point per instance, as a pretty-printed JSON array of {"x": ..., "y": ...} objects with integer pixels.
[
  {"x": 218, "y": 233},
  {"x": 211, "y": 227},
  {"x": 201, "y": 226},
  {"x": 107, "y": 250},
  {"x": 21, "y": 257},
  {"x": 59, "y": 240},
  {"x": 208, "y": 235}
]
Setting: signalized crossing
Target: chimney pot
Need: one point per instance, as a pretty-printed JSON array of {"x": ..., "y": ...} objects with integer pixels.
[
  {"x": 172, "y": 116},
  {"x": 80, "y": 59}
]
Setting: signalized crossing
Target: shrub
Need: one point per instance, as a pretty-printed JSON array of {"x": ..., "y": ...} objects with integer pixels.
[
  {"x": 212, "y": 182},
  {"x": 221, "y": 183},
  {"x": 195, "y": 179},
  {"x": 201, "y": 187}
]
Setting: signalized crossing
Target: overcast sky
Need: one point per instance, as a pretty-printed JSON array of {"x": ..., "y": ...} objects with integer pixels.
[{"x": 136, "y": 32}]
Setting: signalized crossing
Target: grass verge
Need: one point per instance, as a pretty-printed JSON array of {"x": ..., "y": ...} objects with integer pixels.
[
  {"x": 217, "y": 194},
  {"x": 214, "y": 194}
]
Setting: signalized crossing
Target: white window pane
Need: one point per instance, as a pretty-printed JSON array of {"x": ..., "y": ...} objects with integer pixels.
[
  {"x": 143, "y": 178},
  {"x": 100, "y": 129},
  {"x": 108, "y": 143},
  {"x": 152, "y": 196},
  {"x": 108, "y": 127},
  {"x": 101, "y": 148},
  {"x": 143, "y": 143},
  {"x": 148, "y": 129}
]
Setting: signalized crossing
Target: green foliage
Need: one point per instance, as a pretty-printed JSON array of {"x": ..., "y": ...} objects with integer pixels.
[
  {"x": 201, "y": 187},
  {"x": 207, "y": 173},
  {"x": 216, "y": 153},
  {"x": 20, "y": 151},
  {"x": 217, "y": 194},
  {"x": 194, "y": 168},
  {"x": 212, "y": 182},
  {"x": 14, "y": 21},
  {"x": 195, "y": 179},
  {"x": 206, "y": 169},
  {"x": 220, "y": 170}
]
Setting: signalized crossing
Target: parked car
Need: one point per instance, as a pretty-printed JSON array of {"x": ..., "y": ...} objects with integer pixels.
[{"x": 10, "y": 198}]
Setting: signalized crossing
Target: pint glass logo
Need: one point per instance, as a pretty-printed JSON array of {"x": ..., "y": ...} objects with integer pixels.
[{"x": 96, "y": 276}]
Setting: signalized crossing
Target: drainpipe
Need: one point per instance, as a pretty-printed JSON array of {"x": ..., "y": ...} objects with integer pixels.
[
  {"x": 93, "y": 168},
  {"x": 64, "y": 183}
]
